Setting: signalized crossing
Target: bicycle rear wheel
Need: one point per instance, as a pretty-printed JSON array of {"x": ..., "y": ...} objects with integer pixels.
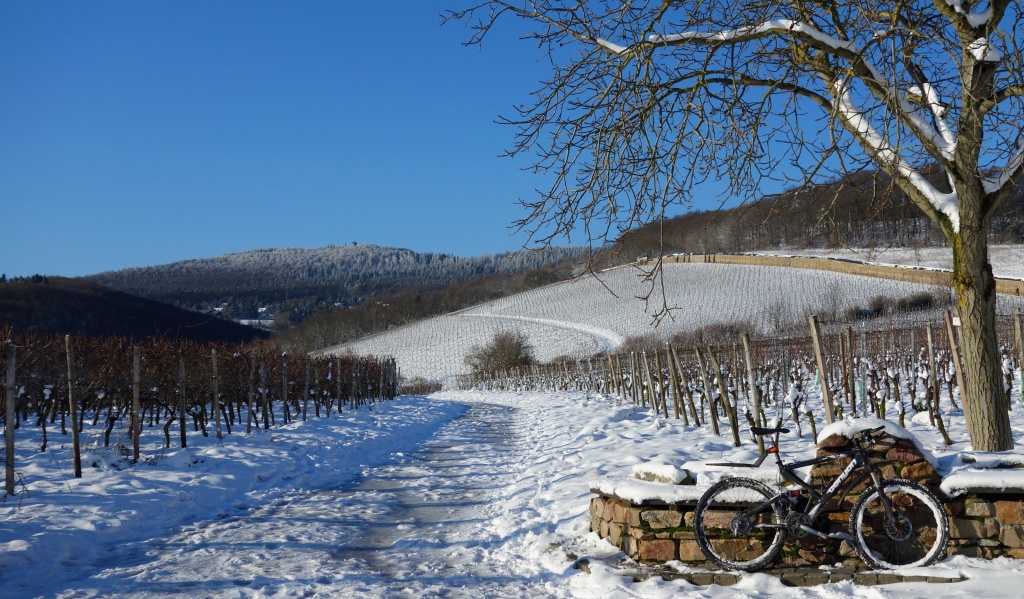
[
  {"x": 736, "y": 525},
  {"x": 916, "y": 535}
]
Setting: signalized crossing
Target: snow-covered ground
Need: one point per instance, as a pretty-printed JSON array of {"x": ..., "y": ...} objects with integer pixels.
[
  {"x": 464, "y": 494},
  {"x": 595, "y": 313}
]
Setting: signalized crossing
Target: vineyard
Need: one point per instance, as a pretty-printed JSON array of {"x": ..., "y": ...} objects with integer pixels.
[
  {"x": 729, "y": 384},
  {"x": 594, "y": 314},
  {"x": 112, "y": 392}
]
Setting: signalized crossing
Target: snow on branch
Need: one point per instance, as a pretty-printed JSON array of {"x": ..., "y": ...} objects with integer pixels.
[
  {"x": 617, "y": 49},
  {"x": 994, "y": 183},
  {"x": 984, "y": 51},
  {"x": 974, "y": 19},
  {"x": 743, "y": 33},
  {"x": 875, "y": 143}
]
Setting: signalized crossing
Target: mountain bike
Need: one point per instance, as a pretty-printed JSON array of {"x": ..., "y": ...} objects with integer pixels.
[{"x": 742, "y": 523}]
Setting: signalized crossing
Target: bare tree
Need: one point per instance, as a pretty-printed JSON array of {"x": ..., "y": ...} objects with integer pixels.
[{"x": 647, "y": 100}]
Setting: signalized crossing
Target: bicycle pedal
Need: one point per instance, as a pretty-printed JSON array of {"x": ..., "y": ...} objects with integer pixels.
[{"x": 842, "y": 536}]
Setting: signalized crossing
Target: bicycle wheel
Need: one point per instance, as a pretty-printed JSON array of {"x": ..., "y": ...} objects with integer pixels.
[
  {"x": 737, "y": 527},
  {"x": 915, "y": 536}
]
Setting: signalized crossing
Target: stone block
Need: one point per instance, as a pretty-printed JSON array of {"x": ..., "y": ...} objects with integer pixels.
[
  {"x": 620, "y": 512},
  {"x": 1012, "y": 535},
  {"x": 689, "y": 552},
  {"x": 703, "y": 578},
  {"x": 633, "y": 516},
  {"x": 604, "y": 529},
  {"x": 615, "y": 533},
  {"x": 921, "y": 472},
  {"x": 970, "y": 551},
  {"x": 887, "y": 578},
  {"x": 815, "y": 577},
  {"x": 632, "y": 547},
  {"x": 865, "y": 578},
  {"x": 683, "y": 535},
  {"x": 975, "y": 507},
  {"x": 904, "y": 451},
  {"x": 658, "y": 550},
  {"x": 1014, "y": 553},
  {"x": 639, "y": 533},
  {"x": 662, "y": 518},
  {"x": 718, "y": 518},
  {"x": 962, "y": 528},
  {"x": 1010, "y": 512}
]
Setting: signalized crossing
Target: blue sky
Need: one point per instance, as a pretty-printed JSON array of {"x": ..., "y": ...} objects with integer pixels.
[{"x": 138, "y": 133}]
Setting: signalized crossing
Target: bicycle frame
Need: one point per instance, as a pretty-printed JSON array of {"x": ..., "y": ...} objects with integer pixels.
[{"x": 818, "y": 500}]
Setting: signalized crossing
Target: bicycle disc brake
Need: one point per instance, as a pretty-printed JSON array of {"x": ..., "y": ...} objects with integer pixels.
[{"x": 899, "y": 528}]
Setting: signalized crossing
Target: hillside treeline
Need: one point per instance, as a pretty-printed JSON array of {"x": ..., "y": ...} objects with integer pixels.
[
  {"x": 301, "y": 281},
  {"x": 861, "y": 210}
]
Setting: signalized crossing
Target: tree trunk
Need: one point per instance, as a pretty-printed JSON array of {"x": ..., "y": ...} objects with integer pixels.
[{"x": 983, "y": 398}]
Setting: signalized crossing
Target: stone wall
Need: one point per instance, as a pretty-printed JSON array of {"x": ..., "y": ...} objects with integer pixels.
[{"x": 981, "y": 525}]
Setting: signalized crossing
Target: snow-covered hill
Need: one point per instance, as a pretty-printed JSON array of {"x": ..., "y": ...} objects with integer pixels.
[
  {"x": 596, "y": 313},
  {"x": 284, "y": 268}
]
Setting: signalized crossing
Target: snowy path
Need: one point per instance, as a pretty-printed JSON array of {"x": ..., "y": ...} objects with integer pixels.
[
  {"x": 463, "y": 494},
  {"x": 418, "y": 526}
]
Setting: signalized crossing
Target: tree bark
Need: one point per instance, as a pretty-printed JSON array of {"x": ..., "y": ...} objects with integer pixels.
[{"x": 974, "y": 283}]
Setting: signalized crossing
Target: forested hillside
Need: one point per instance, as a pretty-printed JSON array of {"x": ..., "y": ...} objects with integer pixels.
[
  {"x": 60, "y": 306},
  {"x": 861, "y": 210},
  {"x": 301, "y": 281}
]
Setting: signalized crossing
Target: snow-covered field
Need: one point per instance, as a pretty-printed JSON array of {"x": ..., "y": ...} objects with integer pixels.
[
  {"x": 581, "y": 317},
  {"x": 464, "y": 494}
]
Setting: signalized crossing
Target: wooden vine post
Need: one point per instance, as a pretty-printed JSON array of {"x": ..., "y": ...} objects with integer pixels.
[
  {"x": 181, "y": 399},
  {"x": 674, "y": 382},
  {"x": 337, "y": 376},
  {"x": 11, "y": 397},
  {"x": 249, "y": 397},
  {"x": 284, "y": 388},
  {"x": 755, "y": 392},
  {"x": 708, "y": 394},
  {"x": 136, "y": 421},
  {"x": 934, "y": 374},
  {"x": 954, "y": 349},
  {"x": 934, "y": 415},
  {"x": 730, "y": 409},
  {"x": 305, "y": 394},
  {"x": 826, "y": 391},
  {"x": 267, "y": 411},
  {"x": 216, "y": 393},
  {"x": 76, "y": 444},
  {"x": 685, "y": 384},
  {"x": 1017, "y": 330}
]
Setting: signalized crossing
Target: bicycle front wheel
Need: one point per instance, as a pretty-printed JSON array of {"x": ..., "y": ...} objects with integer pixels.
[
  {"x": 737, "y": 526},
  {"x": 915, "y": 534}
]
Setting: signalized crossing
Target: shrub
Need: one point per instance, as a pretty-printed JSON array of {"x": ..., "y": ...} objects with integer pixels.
[
  {"x": 918, "y": 301},
  {"x": 508, "y": 349}
]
